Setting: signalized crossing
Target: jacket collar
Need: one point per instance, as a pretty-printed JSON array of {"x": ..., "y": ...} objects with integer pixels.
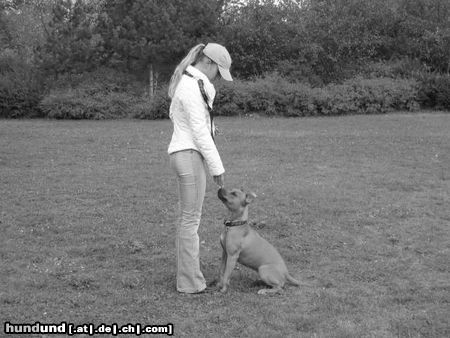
[
  {"x": 198, "y": 74},
  {"x": 209, "y": 87}
]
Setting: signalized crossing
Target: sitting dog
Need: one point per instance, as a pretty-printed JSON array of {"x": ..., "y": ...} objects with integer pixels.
[{"x": 241, "y": 243}]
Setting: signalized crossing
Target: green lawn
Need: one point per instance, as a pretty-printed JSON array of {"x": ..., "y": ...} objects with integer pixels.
[{"x": 359, "y": 207}]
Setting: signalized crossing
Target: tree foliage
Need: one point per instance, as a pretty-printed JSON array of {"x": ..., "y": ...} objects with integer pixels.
[
  {"x": 141, "y": 33},
  {"x": 313, "y": 39},
  {"x": 72, "y": 44}
]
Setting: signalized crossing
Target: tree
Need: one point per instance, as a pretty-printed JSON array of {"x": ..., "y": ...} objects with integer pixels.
[
  {"x": 150, "y": 36},
  {"x": 72, "y": 44},
  {"x": 260, "y": 34},
  {"x": 5, "y": 37},
  {"x": 23, "y": 24}
]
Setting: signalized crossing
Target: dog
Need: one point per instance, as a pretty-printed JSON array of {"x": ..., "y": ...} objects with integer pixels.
[{"x": 241, "y": 243}]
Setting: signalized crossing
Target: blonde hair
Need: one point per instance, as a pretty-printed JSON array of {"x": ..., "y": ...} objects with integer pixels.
[{"x": 192, "y": 57}]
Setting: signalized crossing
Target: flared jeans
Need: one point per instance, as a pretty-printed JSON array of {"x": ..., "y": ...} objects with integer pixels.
[{"x": 191, "y": 176}]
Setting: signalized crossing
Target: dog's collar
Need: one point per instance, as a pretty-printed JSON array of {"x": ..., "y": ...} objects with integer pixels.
[{"x": 234, "y": 223}]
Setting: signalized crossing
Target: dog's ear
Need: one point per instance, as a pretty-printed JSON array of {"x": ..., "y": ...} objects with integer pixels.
[{"x": 249, "y": 197}]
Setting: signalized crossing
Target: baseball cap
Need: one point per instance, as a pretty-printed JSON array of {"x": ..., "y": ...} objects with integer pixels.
[{"x": 219, "y": 55}]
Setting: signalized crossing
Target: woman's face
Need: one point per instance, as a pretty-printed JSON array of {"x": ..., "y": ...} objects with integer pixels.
[{"x": 213, "y": 70}]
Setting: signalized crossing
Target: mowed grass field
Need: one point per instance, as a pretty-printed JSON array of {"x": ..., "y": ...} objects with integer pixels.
[{"x": 358, "y": 206}]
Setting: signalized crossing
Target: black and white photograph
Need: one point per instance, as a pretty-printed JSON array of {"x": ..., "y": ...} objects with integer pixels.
[{"x": 225, "y": 168}]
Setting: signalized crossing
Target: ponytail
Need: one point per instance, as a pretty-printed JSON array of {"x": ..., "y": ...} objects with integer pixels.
[{"x": 193, "y": 56}]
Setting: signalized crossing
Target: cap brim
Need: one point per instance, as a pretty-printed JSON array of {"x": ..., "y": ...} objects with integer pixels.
[{"x": 225, "y": 73}]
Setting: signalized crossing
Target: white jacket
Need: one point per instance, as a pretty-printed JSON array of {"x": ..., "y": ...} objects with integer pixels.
[{"x": 191, "y": 120}]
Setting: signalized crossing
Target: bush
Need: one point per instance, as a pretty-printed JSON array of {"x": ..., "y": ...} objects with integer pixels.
[
  {"x": 21, "y": 88},
  {"x": 157, "y": 108},
  {"x": 433, "y": 88},
  {"x": 80, "y": 104},
  {"x": 275, "y": 96},
  {"x": 103, "y": 94},
  {"x": 271, "y": 96},
  {"x": 230, "y": 98},
  {"x": 381, "y": 95},
  {"x": 434, "y": 91}
]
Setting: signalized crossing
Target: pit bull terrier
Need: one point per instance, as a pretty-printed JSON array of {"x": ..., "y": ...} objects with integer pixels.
[{"x": 241, "y": 243}]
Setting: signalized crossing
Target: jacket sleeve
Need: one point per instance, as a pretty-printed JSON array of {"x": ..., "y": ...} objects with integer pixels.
[{"x": 196, "y": 110}]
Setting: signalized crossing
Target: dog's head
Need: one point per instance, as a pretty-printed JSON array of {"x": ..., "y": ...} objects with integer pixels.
[{"x": 235, "y": 199}]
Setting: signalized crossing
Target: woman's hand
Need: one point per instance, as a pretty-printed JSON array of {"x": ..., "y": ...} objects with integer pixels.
[{"x": 218, "y": 180}]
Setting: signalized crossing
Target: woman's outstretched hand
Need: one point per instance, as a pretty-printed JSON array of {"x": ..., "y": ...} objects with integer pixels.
[{"x": 218, "y": 180}]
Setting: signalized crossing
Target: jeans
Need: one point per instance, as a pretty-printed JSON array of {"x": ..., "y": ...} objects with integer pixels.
[{"x": 191, "y": 176}]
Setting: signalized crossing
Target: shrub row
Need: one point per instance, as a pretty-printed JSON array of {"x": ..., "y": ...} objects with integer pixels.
[
  {"x": 276, "y": 97},
  {"x": 104, "y": 94},
  {"x": 270, "y": 96},
  {"x": 107, "y": 95},
  {"x": 77, "y": 104}
]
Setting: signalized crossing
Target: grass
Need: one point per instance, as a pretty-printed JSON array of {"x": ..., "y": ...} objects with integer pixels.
[{"x": 358, "y": 206}]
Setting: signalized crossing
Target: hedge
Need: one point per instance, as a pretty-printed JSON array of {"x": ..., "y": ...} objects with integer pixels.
[
  {"x": 109, "y": 95},
  {"x": 77, "y": 104},
  {"x": 104, "y": 94},
  {"x": 276, "y": 97}
]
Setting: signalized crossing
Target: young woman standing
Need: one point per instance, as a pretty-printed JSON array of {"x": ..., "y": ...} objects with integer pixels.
[{"x": 192, "y": 150}]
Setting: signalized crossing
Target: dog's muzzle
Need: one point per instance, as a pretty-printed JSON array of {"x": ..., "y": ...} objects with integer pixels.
[{"x": 221, "y": 194}]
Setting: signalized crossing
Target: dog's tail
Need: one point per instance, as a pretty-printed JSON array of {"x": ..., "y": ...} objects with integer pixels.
[{"x": 292, "y": 280}]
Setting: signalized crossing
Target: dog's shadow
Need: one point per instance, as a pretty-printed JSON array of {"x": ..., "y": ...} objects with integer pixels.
[
  {"x": 258, "y": 284},
  {"x": 243, "y": 282}
]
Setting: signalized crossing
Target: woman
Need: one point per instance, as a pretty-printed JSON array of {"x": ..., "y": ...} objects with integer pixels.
[{"x": 192, "y": 149}]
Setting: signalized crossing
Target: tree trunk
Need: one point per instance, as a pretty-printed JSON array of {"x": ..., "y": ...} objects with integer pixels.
[{"x": 151, "y": 83}]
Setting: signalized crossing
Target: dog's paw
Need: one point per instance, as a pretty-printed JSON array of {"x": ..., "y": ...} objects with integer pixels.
[{"x": 269, "y": 291}]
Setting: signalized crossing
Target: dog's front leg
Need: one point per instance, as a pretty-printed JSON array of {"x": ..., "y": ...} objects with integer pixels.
[
  {"x": 229, "y": 267},
  {"x": 223, "y": 265}
]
